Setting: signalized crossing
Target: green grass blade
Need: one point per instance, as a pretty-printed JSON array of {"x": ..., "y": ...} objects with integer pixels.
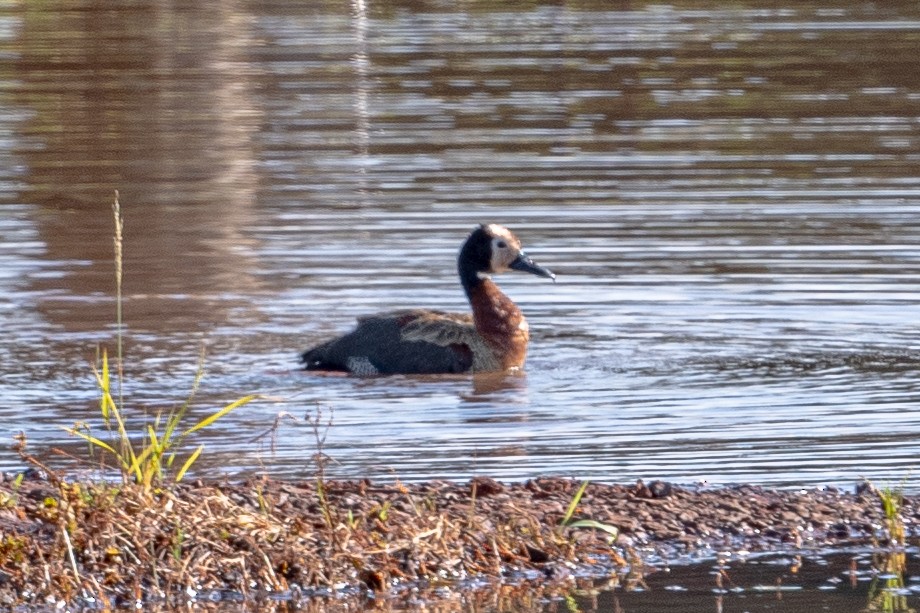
[
  {"x": 175, "y": 416},
  {"x": 91, "y": 439},
  {"x": 98, "y": 443},
  {"x": 112, "y": 410},
  {"x": 574, "y": 504},
  {"x": 172, "y": 423},
  {"x": 207, "y": 421},
  {"x": 158, "y": 449},
  {"x": 105, "y": 383},
  {"x": 188, "y": 463},
  {"x": 106, "y": 402},
  {"x": 152, "y": 435},
  {"x": 590, "y": 523},
  {"x": 141, "y": 465}
]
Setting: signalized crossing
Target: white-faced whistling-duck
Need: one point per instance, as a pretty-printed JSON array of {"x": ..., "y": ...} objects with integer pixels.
[{"x": 493, "y": 338}]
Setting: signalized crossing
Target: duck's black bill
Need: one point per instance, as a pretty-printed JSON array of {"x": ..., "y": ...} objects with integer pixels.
[{"x": 525, "y": 264}]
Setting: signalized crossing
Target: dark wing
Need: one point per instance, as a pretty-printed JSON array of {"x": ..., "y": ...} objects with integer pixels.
[{"x": 408, "y": 342}]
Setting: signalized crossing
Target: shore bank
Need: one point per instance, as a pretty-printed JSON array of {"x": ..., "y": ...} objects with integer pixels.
[{"x": 62, "y": 541}]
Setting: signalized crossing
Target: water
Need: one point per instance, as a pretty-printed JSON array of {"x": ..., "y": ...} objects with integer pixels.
[
  {"x": 727, "y": 193},
  {"x": 788, "y": 583}
]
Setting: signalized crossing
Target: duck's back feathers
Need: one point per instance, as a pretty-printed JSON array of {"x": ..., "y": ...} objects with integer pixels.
[
  {"x": 409, "y": 342},
  {"x": 451, "y": 330}
]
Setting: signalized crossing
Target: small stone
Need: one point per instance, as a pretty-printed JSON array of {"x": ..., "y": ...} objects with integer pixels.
[
  {"x": 660, "y": 489},
  {"x": 483, "y": 486},
  {"x": 537, "y": 556},
  {"x": 641, "y": 490},
  {"x": 865, "y": 488}
]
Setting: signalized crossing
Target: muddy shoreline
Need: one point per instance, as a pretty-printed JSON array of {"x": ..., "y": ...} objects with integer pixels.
[{"x": 62, "y": 541}]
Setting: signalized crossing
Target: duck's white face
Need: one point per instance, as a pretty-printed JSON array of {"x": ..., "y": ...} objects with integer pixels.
[{"x": 505, "y": 248}]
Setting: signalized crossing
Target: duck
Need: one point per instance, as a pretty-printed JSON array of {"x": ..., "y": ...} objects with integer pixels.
[{"x": 492, "y": 338}]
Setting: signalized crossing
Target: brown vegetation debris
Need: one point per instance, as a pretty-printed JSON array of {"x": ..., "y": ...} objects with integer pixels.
[{"x": 118, "y": 543}]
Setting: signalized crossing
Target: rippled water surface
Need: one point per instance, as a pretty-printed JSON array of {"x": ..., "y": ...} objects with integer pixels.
[{"x": 728, "y": 192}]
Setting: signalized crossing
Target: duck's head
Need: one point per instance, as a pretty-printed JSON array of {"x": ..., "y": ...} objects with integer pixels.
[{"x": 491, "y": 249}]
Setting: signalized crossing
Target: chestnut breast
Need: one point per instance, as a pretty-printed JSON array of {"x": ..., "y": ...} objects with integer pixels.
[{"x": 500, "y": 323}]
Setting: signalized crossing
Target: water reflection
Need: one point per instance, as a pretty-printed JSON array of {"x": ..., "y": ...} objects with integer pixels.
[
  {"x": 888, "y": 590},
  {"x": 510, "y": 388},
  {"x": 153, "y": 103},
  {"x": 727, "y": 193}
]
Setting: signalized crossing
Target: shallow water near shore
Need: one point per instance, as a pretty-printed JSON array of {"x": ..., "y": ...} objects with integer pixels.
[
  {"x": 728, "y": 195},
  {"x": 832, "y": 581}
]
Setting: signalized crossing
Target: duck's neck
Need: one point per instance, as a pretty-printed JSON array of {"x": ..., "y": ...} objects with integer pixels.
[
  {"x": 469, "y": 278},
  {"x": 498, "y": 321}
]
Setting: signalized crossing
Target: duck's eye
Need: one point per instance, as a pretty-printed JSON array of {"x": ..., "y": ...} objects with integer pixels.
[{"x": 501, "y": 244}]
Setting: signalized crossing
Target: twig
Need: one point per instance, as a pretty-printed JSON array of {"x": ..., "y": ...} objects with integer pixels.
[
  {"x": 20, "y": 448},
  {"x": 271, "y": 571},
  {"x": 73, "y": 560}
]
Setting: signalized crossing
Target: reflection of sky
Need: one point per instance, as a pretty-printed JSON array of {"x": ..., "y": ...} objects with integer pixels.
[
  {"x": 32, "y": 387},
  {"x": 21, "y": 251}
]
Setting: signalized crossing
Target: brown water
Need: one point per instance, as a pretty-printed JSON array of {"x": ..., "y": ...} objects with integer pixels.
[{"x": 728, "y": 192}]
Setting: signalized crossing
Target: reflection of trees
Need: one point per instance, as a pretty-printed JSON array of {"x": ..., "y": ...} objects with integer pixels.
[{"x": 151, "y": 100}]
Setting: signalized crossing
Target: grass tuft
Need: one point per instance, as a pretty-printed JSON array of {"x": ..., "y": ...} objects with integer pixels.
[
  {"x": 149, "y": 461},
  {"x": 887, "y": 590},
  {"x": 891, "y": 499},
  {"x": 567, "y": 522}
]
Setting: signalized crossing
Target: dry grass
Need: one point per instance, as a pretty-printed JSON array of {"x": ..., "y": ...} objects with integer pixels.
[
  {"x": 64, "y": 542},
  {"x": 121, "y": 543}
]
